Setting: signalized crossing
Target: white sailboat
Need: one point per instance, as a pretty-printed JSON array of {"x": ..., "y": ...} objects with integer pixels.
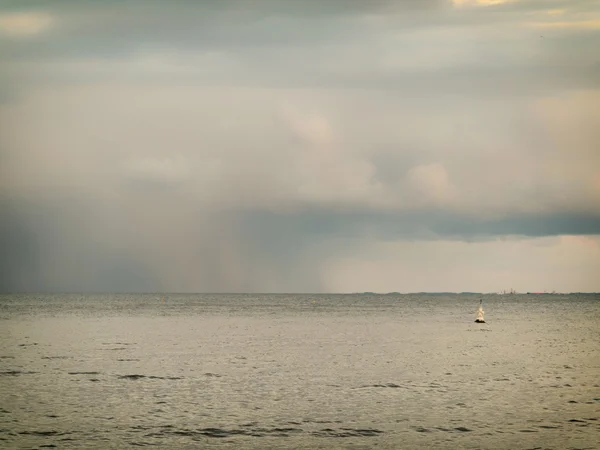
[{"x": 480, "y": 313}]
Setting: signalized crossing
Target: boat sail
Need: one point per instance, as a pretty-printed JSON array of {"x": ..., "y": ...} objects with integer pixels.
[{"x": 480, "y": 313}]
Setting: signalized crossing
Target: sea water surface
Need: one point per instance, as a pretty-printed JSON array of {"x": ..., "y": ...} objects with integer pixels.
[{"x": 299, "y": 371}]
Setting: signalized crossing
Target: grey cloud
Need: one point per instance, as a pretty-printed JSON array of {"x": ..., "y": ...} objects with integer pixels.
[
  {"x": 19, "y": 257},
  {"x": 45, "y": 248},
  {"x": 548, "y": 78},
  {"x": 313, "y": 45},
  {"x": 85, "y": 245},
  {"x": 552, "y": 64},
  {"x": 72, "y": 246},
  {"x": 269, "y": 140},
  {"x": 420, "y": 225},
  {"x": 246, "y": 159},
  {"x": 311, "y": 7},
  {"x": 108, "y": 29}
]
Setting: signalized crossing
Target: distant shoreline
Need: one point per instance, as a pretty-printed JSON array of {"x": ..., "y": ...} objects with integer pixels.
[{"x": 366, "y": 293}]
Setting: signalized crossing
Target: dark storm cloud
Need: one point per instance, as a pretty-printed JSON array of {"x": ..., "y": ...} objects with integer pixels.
[
  {"x": 47, "y": 246},
  {"x": 273, "y": 252},
  {"x": 77, "y": 244},
  {"x": 414, "y": 225}
]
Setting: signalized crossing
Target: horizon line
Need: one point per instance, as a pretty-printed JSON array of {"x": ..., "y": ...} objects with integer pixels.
[{"x": 293, "y": 293}]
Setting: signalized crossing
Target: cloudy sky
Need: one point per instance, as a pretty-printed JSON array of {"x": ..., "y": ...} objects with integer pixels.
[{"x": 287, "y": 146}]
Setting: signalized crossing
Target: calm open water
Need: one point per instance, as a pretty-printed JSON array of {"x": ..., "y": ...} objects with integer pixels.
[{"x": 299, "y": 371}]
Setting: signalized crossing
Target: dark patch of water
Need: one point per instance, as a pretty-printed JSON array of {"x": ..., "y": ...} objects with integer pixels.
[
  {"x": 150, "y": 377},
  {"x": 15, "y": 373}
]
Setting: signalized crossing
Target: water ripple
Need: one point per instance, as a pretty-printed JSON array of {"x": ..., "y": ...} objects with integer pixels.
[{"x": 150, "y": 377}]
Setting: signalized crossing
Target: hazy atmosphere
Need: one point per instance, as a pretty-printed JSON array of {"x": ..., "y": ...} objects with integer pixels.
[{"x": 286, "y": 146}]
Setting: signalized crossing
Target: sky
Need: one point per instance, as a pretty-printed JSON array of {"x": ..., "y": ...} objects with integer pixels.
[{"x": 286, "y": 146}]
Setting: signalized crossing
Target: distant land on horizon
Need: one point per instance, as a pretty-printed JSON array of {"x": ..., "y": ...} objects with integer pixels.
[{"x": 365, "y": 293}]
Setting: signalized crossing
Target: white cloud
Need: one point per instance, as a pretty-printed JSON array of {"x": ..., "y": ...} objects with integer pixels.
[
  {"x": 313, "y": 129},
  {"x": 592, "y": 24},
  {"x": 431, "y": 184},
  {"x": 25, "y": 24},
  {"x": 327, "y": 169},
  {"x": 480, "y": 2}
]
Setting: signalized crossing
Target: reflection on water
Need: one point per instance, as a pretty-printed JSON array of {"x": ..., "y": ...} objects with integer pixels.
[{"x": 266, "y": 371}]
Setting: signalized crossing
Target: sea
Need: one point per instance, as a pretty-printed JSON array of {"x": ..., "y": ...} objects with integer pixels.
[{"x": 356, "y": 371}]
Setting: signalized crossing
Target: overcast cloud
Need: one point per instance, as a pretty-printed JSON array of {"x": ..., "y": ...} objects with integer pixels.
[{"x": 283, "y": 146}]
